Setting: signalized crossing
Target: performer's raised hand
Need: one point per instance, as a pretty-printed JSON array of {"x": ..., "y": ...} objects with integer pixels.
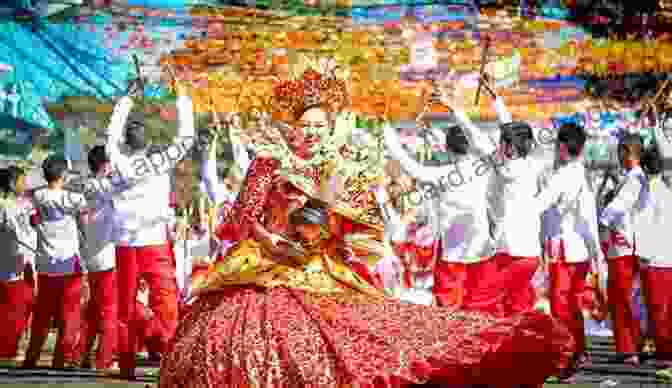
[
  {"x": 135, "y": 88},
  {"x": 178, "y": 83},
  {"x": 453, "y": 94},
  {"x": 663, "y": 137}
]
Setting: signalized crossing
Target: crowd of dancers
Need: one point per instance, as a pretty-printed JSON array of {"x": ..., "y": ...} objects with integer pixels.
[{"x": 302, "y": 290}]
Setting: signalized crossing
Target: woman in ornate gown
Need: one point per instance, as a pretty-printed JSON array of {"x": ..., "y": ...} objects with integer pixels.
[{"x": 282, "y": 308}]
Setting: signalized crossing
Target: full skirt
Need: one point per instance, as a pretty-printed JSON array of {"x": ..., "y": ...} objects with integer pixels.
[{"x": 279, "y": 337}]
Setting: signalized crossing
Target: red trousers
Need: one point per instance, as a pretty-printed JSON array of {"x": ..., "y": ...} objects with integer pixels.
[
  {"x": 567, "y": 285},
  {"x": 155, "y": 265},
  {"x": 515, "y": 277},
  {"x": 627, "y": 329},
  {"x": 500, "y": 286},
  {"x": 656, "y": 283},
  {"x": 16, "y": 304},
  {"x": 101, "y": 317},
  {"x": 149, "y": 331},
  {"x": 58, "y": 297}
]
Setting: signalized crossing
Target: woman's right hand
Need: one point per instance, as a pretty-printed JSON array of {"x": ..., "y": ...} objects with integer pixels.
[
  {"x": 664, "y": 144},
  {"x": 277, "y": 245}
]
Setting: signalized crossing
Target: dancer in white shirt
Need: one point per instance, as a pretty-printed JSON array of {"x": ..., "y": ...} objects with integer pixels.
[
  {"x": 461, "y": 206},
  {"x": 142, "y": 214},
  {"x": 98, "y": 261},
  {"x": 629, "y": 199},
  {"x": 405, "y": 274},
  {"x": 60, "y": 212},
  {"x": 18, "y": 244},
  {"x": 575, "y": 246},
  {"x": 516, "y": 224},
  {"x": 653, "y": 252}
]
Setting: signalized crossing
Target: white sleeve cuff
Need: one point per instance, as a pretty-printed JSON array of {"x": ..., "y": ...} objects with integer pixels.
[
  {"x": 185, "y": 117},
  {"x": 503, "y": 114}
]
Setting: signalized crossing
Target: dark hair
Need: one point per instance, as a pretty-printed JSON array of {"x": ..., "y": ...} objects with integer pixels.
[
  {"x": 518, "y": 135},
  {"x": 651, "y": 161},
  {"x": 313, "y": 213},
  {"x": 631, "y": 145},
  {"x": 97, "y": 158},
  {"x": 322, "y": 106},
  {"x": 574, "y": 137},
  {"x": 54, "y": 168},
  {"x": 5, "y": 181},
  {"x": 8, "y": 178},
  {"x": 456, "y": 140}
]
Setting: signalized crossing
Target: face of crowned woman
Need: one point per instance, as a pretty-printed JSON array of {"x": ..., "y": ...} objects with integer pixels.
[
  {"x": 312, "y": 118},
  {"x": 309, "y": 233}
]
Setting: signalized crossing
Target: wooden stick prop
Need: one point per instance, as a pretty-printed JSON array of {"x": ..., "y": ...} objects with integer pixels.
[
  {"x": 173, "y": 76},
  {"x": 141, "y": 81},
  {"x": 648, "y": 105},
  {"x": 212, "y": 209},
  {"x": 485, "y": 81},
  {"x": 484, "y": 59}
]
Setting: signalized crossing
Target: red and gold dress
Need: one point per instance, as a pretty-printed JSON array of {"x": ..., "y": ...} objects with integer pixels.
[{"x": 319, "y": 324}]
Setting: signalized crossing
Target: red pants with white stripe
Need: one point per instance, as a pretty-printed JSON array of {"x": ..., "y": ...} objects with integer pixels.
[
  {"x": 156, "y": 265},
  {"x": 627, "y": 329},
  {"x": 58, "y": 297},
  {"x": 101, "y": 317},
  {"x": 500, "y": 285},
  {"x": 656, "y": 283},
  {"x": 567, "y": 285},
  {"x": 16, "y": 304}
]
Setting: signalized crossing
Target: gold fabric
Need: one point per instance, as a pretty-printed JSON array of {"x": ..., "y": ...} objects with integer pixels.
[{"x": 318, "y": 272}]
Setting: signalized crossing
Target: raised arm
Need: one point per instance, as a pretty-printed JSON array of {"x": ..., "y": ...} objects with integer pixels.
[
  {"x": 209, "y": 178},
  {"x": 186, "y": 136},
  {"x": 240, "y": 155},
  {"x": 185, "y": 115},
  {"x": 413, "y": 168},
  {"x": 115, "y": 131},
  {"x": 480, "y": 142},
  {"x": 665, "y": 149}
]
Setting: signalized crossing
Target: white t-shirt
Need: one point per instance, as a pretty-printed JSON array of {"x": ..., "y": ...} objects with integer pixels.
[
  {"x": 653, "y": 226},
  {"x": 517, "y": 223},
  {"x": 98, "y": 233},
  {"x": 18, "y": 240},
  {"x": 569, "y": 192},
  {"x": 58, "y": 234}
]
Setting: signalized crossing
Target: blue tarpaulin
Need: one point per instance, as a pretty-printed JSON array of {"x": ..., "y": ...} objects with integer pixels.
[{"x": 57, "y": 60}]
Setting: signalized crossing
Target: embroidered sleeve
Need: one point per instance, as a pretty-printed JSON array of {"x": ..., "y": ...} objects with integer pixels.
[{"x": 249, "y": 206}]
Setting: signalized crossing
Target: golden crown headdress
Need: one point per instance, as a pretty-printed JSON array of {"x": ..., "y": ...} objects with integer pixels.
[{"x": 321, "y": 82}]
